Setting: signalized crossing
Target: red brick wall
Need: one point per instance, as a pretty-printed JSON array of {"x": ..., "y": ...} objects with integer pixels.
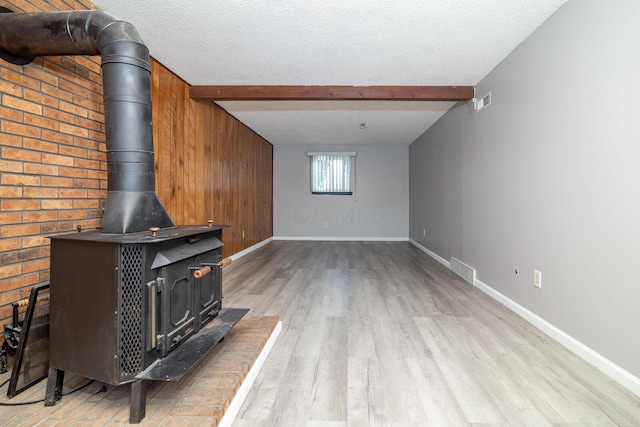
[{"x": 52, "y": 157}]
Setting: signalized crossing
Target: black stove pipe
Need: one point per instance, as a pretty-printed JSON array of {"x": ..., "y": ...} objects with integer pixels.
[{"x": 132, "y": 204}]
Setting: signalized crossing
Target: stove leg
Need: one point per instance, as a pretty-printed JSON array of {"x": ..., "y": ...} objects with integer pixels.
[
  {"x": 53, "y": 394},
  {"x": 138, "y": 402}
]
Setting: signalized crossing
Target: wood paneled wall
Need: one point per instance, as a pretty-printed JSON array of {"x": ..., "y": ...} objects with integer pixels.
[{"x": 209, "y": 165}]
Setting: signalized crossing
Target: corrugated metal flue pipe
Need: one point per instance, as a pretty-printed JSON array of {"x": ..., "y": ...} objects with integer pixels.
[{"x": 132, "y": 204}]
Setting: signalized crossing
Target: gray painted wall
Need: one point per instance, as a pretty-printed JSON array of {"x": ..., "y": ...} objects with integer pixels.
[
  {"x": 548, "y": 178},
  {"x": 378, "y": 209}
]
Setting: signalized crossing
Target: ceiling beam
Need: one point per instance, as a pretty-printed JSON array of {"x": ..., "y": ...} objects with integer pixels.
[{"x": 332, "y": 93}]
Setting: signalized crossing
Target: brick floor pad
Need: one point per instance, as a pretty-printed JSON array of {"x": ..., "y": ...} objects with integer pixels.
[{"x": 199, "y": 399}]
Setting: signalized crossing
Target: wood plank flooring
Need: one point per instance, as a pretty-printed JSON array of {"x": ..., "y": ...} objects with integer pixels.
[{"x": 379, "y": 334}]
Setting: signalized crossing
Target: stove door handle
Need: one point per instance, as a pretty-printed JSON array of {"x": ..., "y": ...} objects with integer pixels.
[
  {"x": 153, "y": 290},
  {"x": 203, "y": 271}
]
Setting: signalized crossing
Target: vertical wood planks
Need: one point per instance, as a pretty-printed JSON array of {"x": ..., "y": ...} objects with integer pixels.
[{"x": 209, "y": 165}]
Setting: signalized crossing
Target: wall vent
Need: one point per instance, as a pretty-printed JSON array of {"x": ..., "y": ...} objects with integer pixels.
[
  {"x": 463, "y": 270},
  {"x": 478, "y": 104}
]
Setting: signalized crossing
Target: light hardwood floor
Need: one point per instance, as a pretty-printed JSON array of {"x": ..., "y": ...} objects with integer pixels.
[{"x": 378, "y": 333}]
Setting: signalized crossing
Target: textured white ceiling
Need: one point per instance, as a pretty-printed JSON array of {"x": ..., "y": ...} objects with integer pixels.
[
  {"x": 338, "y": 122},
  {"x": 333, "y": 42}
]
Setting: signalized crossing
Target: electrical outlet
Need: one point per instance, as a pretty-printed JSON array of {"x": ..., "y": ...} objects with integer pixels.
[
  {"x": 537, "y": 279},
  {"x": 326, "y": 224}
]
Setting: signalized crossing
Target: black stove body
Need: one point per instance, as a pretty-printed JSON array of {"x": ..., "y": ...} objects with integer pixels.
[
  {"x": 121, "y": 302},
  {"x": 132, "y": 307}
]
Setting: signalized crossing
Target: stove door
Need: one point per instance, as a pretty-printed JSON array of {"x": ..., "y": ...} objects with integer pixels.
[
  {"x": 209, "y": 288},
  {"x": 178, "y": 315}
]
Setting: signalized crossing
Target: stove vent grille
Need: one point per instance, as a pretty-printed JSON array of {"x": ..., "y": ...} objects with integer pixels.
[{"x": 130, "y": 311}]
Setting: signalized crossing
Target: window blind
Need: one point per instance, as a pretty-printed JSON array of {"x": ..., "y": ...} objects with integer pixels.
[{"x": 331, "y": 173}]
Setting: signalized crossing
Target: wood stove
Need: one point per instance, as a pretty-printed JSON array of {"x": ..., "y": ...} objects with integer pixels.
[{"x": 124, "y": 306}]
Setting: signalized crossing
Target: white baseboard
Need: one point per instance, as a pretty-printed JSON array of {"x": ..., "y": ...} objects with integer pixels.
[
  {"x": 250, "y": 249},
  {"x": 606, "y": 366},
  {"x": 235, "y": 405},
  {"x": 343, "y": 239},
  {"x": 431, "y": 253},
  {"x": 613, "y": 371}
]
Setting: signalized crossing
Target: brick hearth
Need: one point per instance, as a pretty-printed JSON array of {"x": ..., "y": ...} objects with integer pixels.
[{"x": 199, "y": 399}]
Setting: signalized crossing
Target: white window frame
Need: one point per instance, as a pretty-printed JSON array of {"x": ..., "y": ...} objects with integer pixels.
[{"x": 332, "y": 181}]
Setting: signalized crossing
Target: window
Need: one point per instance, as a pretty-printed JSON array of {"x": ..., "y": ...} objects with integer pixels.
[{"x": 332, "y": 172}]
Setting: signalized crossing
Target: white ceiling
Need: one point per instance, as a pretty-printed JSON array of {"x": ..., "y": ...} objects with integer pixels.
[{"x": 333, "y": 42}]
